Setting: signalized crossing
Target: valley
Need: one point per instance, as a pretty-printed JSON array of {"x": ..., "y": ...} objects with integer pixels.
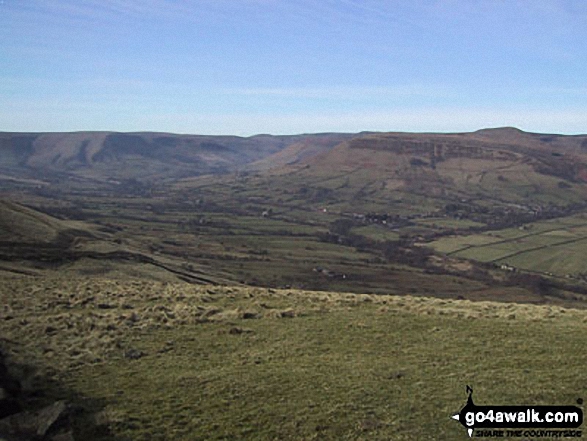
[
  {"x": 250, "y": 254},
  {"x": 364, "y": 214}
]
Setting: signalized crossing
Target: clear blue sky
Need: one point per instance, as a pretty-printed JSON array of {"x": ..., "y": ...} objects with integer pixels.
[{"x": 292, "y": 66}]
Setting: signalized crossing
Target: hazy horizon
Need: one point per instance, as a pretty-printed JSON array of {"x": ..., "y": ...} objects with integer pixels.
[{"x": 289, "y": 134}]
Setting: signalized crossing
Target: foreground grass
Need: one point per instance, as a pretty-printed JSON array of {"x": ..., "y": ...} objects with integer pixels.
[{"x": 242, "y": 363}]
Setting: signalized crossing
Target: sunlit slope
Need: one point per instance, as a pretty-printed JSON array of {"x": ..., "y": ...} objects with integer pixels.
[
  {"x": 300, "y": 151},
  {"x": 243, "y": 363},
  {"x": 473, "y": 167}
]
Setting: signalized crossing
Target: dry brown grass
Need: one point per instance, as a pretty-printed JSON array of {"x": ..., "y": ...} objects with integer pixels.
[
  {"x": 280, "y": 351},
  {"x": 64, "y": 323}
]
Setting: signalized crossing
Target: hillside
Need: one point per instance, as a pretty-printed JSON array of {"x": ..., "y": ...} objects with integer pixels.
[
  {"x": 362, "y": 204},
  {"x": 28, "y": 236},
  {"x": 35, "y": 243},
  {"x": 21, "y": 224},
  {"x": 153, "y": 361},
  {"x": 504, "y": 164},
  {"x": 145, "y": 156},
  {"x": 329, "y": 211},
  {"x": 299, "y": 151},
  {"x": 497, "y": 164},
  {"x": 483, "y": 176}
]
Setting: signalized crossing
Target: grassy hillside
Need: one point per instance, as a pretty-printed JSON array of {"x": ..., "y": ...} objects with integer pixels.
[
  {"x": 22, "y": 224},
  {"x": 449, "y": 168},
  {"x": 251, "y": 363},
  {"x": 36, "y": 243}
]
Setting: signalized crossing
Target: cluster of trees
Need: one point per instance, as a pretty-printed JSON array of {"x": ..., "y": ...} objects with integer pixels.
[
  {"x": 317, "y": 194},
  {"x": 400, "y": 251}
]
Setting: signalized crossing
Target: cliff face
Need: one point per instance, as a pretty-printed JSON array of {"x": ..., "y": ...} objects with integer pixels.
[{"x": 437, "y": 149}]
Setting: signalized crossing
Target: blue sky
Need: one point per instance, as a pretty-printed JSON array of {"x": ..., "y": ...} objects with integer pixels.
[{"x": 278, "y": 66}]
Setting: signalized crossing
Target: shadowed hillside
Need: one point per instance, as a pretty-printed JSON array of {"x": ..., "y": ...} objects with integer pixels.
[
  {"x": 145, "y": 156},
  {"x": 34, "y": 243},
  {"x": 22, "y": 224}
]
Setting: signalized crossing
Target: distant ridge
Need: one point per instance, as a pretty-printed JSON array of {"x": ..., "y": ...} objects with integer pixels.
[
  {"x": 143, "y": 155},
  {"x": 151, "y": 156}
]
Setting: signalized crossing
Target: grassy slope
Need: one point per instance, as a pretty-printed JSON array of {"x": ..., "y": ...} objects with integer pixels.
[
  {"x": 309, "y": 365},
  {"x": 19, "y": 223}
]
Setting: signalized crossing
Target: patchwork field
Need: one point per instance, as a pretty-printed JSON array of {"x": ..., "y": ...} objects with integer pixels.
[{"x": 556, "y": 246}]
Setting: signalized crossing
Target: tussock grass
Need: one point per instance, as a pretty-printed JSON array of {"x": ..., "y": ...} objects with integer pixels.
[{"x": 253, "y": 363}]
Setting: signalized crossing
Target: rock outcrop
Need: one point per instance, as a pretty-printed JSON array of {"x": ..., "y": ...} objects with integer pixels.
[{"x": 19, "y": 423}]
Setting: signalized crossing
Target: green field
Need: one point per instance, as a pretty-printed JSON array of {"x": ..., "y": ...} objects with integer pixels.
[{"x": 555, "y": 246}]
